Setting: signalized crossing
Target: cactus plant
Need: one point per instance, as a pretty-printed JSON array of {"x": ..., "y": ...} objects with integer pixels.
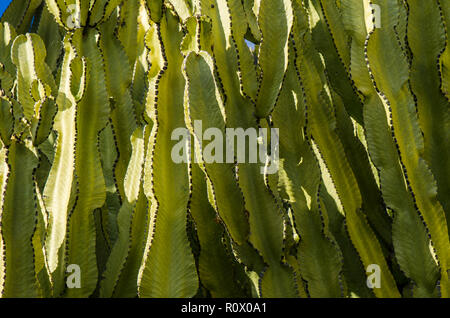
[{"x": 122, "y": 173}]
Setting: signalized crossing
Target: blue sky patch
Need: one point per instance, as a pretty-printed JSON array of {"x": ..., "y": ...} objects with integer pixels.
[{"x": 3, "y": 5}]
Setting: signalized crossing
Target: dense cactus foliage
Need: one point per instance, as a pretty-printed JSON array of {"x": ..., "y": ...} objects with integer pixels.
[{"x": 97, "y": 97}]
